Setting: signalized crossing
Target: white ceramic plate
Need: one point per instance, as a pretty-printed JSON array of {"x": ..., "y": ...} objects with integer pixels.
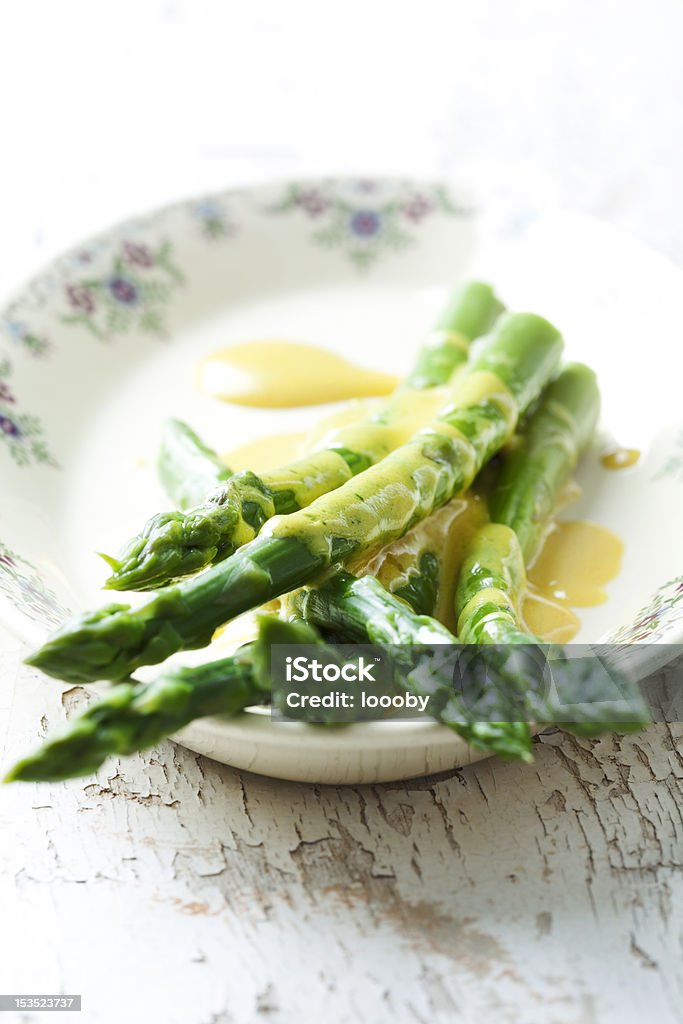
[{"x": 100, "y": 347}]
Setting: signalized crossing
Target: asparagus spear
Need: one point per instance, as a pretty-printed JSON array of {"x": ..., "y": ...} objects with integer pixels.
[
  {"x": 526, "y": 492},
  {"x": 363, "y": 514},
  {"x": 471, "y": 312},
  {"x": 173, "y": 544},
  {"x": 133, "y": 716},
  {"x": 188, "y": 468},
  {"x": 362, "y": 610},
  {"x": 582, "y": 693},
  {"x": 521, "y": 503},
  {"x": 492, "y": 576}
]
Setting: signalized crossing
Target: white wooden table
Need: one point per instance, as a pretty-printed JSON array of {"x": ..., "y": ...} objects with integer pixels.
[{"x": 170, "y": 889}]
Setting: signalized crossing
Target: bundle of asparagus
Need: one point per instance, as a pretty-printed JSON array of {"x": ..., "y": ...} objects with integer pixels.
[
  {"x": 296, "y": 531},
  {"x": 175, "y": 544}
]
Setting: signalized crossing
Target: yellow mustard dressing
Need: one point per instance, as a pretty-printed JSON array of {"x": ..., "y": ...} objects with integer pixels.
[
  {"x": 283, "y": 374},
  {"x": 264, "y": 453},
  {"x": 620, "y": 458},
  {"x": 572, "y": 570},
  {"x": 395, "y": 421},
  {"x": 547, "y": 618},
  {"x": 447, "y": 533}
]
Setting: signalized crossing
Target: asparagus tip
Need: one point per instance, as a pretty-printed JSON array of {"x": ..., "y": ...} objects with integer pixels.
[
  {"x": 112, "y": 562},
  {"x": 16, "y": 773},
  {"x": 122, "y": 578}
]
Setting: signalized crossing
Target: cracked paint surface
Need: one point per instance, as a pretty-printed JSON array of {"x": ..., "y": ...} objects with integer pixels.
[{"x": 549, "y": 893}]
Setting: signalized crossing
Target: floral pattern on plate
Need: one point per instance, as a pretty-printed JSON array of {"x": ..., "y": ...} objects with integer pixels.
[
  {"x": 664, "y": 608},
  {"x": 22, "y": 335},
  {"x": 131, "y": 293},
  {"x": 26, "y": 589},
  {"x": 213, "y": 217},
  {"x": 365, "y": 218},
  {"x": 21, "y": 433}
]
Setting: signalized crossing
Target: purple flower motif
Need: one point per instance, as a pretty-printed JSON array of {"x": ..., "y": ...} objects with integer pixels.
[
  {"x": 6, "y": 560},
  {"x": 80, "y": 297},
  {"x": 417, "y": 208},
  {"x": 123, "y": 290},
  {"x": 9, "y": 427},
  {"x": 312, "y": 202},
  {"x": 138, "y": 255},
  {"x": 366, "y": 223},
  {"x": 5, "y": 393}
]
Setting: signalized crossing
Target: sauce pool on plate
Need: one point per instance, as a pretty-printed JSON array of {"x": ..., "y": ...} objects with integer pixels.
[
  {"x": 620, "y": 458},
  {"x": 284, "y": 374},
  {"x": 572, "y": 569},
  {"x": 264, "y": 453}
]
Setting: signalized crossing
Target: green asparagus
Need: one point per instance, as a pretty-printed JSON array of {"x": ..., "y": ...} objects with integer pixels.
[
  {"x": 188, "y": 468},
  {"x": 133, "y": 716},
  {"x": 176, "y": 544},
  {"x": 521, "y": 503},
  {"x": 362, "y": 610},
  {"x": 471, "y": 312},
  {"x": 492, "y": 577},
  {"x": 525, "y": 494},
  {"x": 582, "y": 693},
  {"x": 362, "y": 515}
]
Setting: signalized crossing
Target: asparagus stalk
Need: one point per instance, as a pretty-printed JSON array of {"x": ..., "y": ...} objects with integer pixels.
[
  {"x": 525, "y": 494},
  {"x": 493, "y": 577},
  {"x": 133, "y": 716},
  {"x": 581, "y": 693},
  {"x": 362, "y": 610},
  {"x": 188, "y": 468},
  {"x": 521, "y": 504},
  {"x": 471, "y": 312},
  {"x": 174, "y": 544},
  {"x": 363, "y": 514}
]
